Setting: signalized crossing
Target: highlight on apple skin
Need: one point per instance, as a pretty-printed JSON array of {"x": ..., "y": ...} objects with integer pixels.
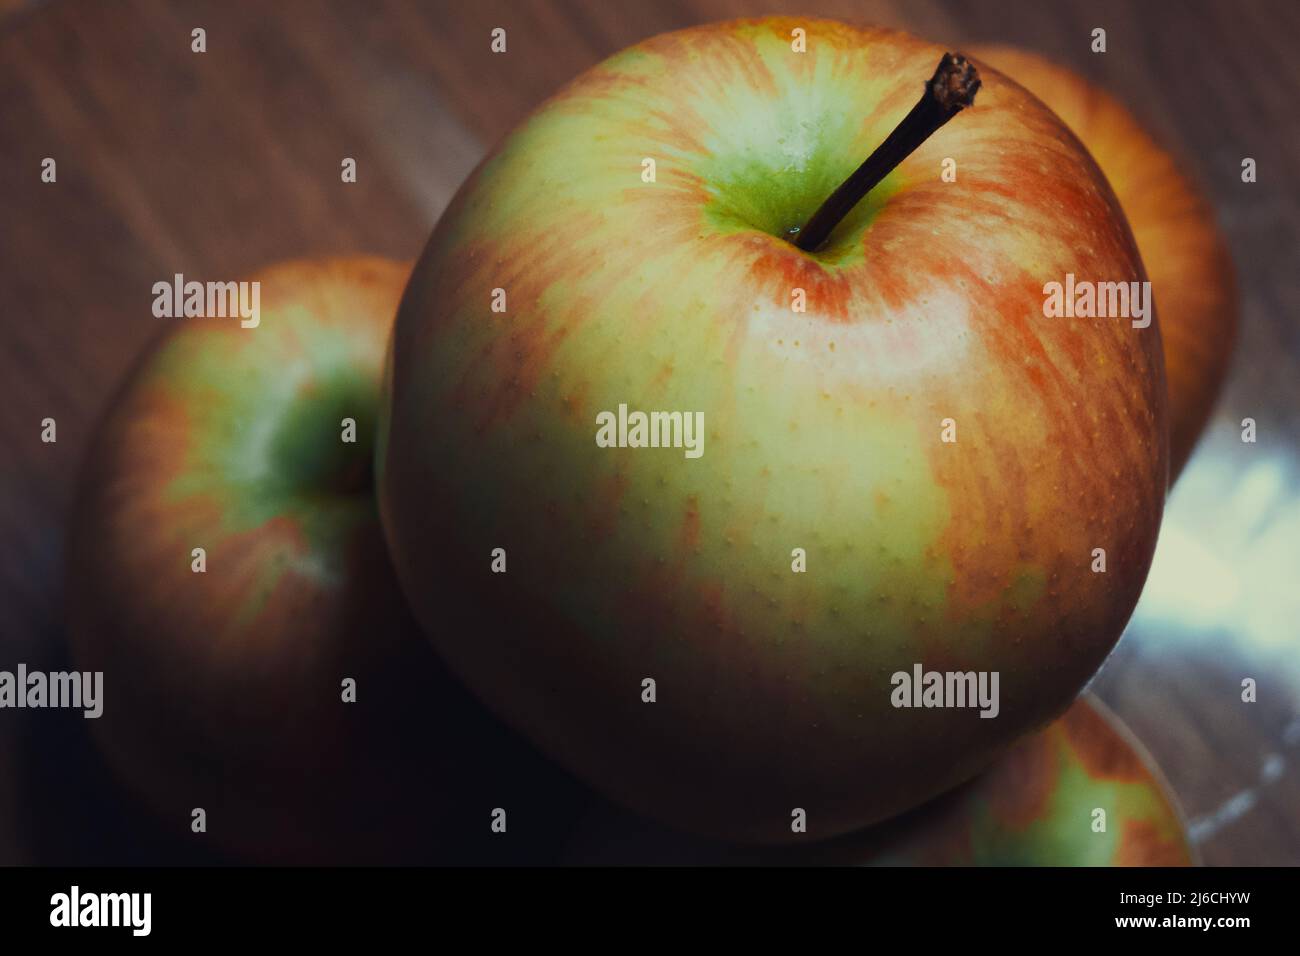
[
  {"x": 569, "y": 277},
  {"x": 224, "y": 686},
  {"x": 1185, "y": 254},
  {"x": 1081, "y": 792}
]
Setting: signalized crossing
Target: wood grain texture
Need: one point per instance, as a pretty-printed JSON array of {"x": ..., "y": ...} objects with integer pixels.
[{"x": 212, "y": 165}]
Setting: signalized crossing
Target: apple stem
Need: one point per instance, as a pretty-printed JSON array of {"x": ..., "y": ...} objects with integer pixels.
[{"x": 949, "y": 91}]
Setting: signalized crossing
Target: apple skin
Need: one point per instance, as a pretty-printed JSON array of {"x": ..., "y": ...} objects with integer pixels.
[
  {"x": 1186, "y": 257},
  {"x": 223, "y": 689},
  {"x": 823, "y": 430},
  {"x": 1034, "y": 807}
]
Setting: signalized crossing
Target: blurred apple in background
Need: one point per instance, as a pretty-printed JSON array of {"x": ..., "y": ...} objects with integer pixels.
[
  {"x": 1185, "y": 255},
  {"x": 223, "y": 689},
  {"x": 1082, "y": 792},
  {"x": 677, "y": 292}
]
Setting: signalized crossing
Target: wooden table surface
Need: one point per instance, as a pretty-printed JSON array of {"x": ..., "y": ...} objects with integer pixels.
[{"x": 214, "y": 164}]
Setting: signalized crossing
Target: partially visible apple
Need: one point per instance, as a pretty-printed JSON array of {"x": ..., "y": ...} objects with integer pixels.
[
  {"x": 1185, "y": 255},
  {"x": 223, "y": 689},
  {"x": 557, "y": 576},
  {"x": 1082, "y": 792}
]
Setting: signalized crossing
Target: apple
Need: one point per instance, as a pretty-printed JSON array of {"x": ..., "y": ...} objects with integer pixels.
[
  {"x": 712, "y": 639},
  {"x": 1186, "y": 257},
  {"x": 1036, "y": 806},
  {"x": 224, "y": 678},
  {"x": 1083, "y": 792}
]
